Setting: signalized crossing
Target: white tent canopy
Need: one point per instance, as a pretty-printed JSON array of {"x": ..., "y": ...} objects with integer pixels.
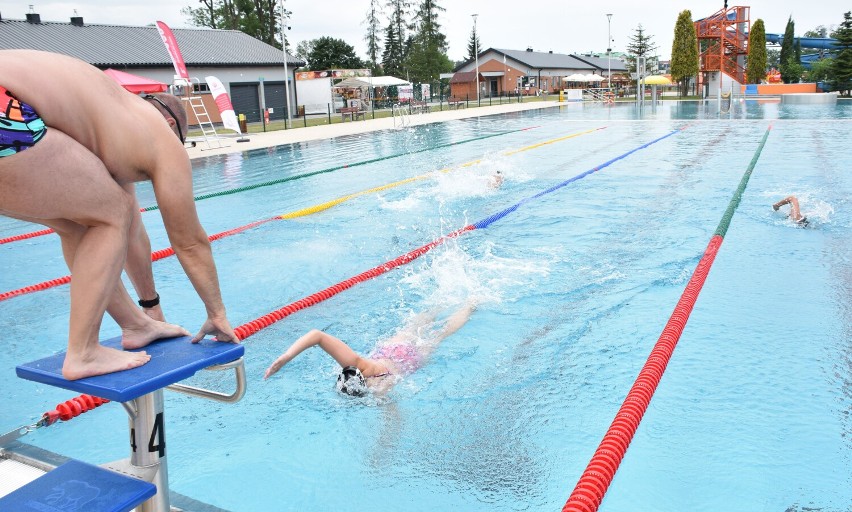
[
  {"x": 376, "y": 81},
  {"x": 593, "y": 78},
  {"x": 576, "y": 77}
]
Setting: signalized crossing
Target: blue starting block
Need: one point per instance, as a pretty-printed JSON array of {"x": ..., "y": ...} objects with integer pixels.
[
  {"x": 79, "y": 486},
  {"x": 140, "y": 391}
]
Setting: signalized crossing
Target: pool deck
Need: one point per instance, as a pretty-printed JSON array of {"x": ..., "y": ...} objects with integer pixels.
[{"x": 278, "y": 137}]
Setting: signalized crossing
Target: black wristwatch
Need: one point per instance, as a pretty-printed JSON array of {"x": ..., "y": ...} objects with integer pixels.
[{"x": 148, "y": 304}]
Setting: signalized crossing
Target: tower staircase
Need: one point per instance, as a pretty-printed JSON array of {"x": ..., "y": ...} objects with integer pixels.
[{"x": 723, "y": 42}]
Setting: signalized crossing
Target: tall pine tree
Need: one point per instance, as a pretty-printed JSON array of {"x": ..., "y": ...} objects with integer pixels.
[
  {"x": 788, "y": 66},
  {"x": 641, "y": 45},
  {"x": 756, "y": 65},
  {"x": 373, "y": 36},
  {"x": 841, "y": 69},
  {"x": 473, "y": 44},
  {"x": 684, "y": 51},
  {"x": 427, "y": 57}
]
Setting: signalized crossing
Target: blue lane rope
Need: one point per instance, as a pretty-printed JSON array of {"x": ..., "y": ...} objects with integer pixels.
[{"x": 499, "y": 215}]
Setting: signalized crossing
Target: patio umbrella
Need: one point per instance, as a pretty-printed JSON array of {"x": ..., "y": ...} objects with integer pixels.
[
  {"x": 136, "y": 84},
  {"x": 593, "y": 78},
  {"x": 657, "y": 80},
  {"x": 576, "y": 77}
]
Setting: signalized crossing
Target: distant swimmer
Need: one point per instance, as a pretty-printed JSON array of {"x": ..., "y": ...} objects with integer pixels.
[
  {"x": 795, "y": 214},
  {"x": 496, "y": 180},
  {"x": 397, "y": 356}
]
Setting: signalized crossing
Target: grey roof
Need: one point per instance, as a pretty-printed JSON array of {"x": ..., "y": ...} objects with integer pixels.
[
  {"x": 117, "y": 45},
  {"x": 541, "y": 60},
  {"x": 616, "y": 64},
  {"x": 547, "y": 60}
]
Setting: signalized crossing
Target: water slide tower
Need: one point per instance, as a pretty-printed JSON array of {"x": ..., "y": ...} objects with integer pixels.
[{"x": 722, "y": 49}]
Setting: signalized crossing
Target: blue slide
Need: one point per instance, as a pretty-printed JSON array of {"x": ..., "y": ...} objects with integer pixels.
[{"x": 820, "y": 43}]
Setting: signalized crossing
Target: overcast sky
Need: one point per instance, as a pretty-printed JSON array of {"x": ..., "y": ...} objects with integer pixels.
[{"x": 545, "y": 25}]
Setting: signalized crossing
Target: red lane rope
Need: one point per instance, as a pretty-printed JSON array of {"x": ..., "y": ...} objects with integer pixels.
[
  {"x": 594, "y": 482},
  {"x": 155, "y": 256},
  {"x": 71, "y": 409},
  {"x": 249, "y": 328},
  {"x": 24, "y": 236}
]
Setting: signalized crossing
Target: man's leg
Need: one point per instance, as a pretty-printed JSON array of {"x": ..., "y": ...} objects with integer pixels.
[
  {"x": 137, "y": 328},
  {"x": 59, "y": 178}
]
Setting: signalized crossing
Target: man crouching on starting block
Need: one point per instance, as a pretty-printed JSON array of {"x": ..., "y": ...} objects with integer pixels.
[{"x": 72, "y": 145}]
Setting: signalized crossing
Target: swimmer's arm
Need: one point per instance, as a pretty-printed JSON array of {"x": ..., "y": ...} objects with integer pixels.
[
  {"x": 138, "y": 262},
  {"x": 172, "y": 181},
  {"x": 334, "y": 347}
]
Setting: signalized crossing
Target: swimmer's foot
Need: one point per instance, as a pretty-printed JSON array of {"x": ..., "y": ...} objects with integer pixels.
[
  {"x": 100, "y": 361},
  {"x": 142, "y": 336}
]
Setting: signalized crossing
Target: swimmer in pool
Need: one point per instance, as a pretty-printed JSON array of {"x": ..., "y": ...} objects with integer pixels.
[
  {"x": 496, "y": 180},
  {"x": 795, "y": 213},
  {"x": 397, "y": 356}
]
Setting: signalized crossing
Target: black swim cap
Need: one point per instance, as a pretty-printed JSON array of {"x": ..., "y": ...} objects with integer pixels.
[{"x": 351, "y": 381}]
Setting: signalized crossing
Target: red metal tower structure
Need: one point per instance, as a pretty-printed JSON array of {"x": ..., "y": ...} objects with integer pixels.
[{"x": 723, "y": 42}]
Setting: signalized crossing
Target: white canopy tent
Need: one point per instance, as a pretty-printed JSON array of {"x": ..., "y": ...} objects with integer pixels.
[{"x": 371, "y": 88}]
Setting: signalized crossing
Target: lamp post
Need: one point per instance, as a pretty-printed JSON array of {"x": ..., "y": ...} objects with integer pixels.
[
  {"x": 609, "y": 51},
  {"x": 289, "y": 122},
  {"x": 476, "y": 51}
]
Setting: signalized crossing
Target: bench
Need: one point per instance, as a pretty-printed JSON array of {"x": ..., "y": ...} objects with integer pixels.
[
  {"x": 456, "y": 103},
  {"x": 353, "y": 113},
  {"x": 420, "y": 107}
]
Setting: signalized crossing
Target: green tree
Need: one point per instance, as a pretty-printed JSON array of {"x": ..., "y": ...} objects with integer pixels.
[
  {"x": 393, "y": 54},
  {"x": 787, "y": 60},
  {"x": 641, "y": 45},
  {"x": 397, "y": 40},
  {"x": 773, "y": 58},
  {"x": 330, "y": 53},
  {"x": 427, "y": 57},
  {"x": 756, "y": 62},
  {"x": 373, "y": 37},
  {"x": 473, "y": 44},
  {"x": 821, "y": 71},
  {"x": 819, "y": 31},
  {"x": 257, "y": 18},
  {"x": 842, "y": 66},
  {"x": 684, "y": 64},
  {"x": 303, "y": 49}
]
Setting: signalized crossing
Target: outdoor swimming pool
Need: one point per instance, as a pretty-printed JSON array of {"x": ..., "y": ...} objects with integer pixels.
[{"x": 752, "y": 414}]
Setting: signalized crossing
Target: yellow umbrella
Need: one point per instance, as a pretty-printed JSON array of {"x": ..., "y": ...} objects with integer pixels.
[{"x": 657, "y": 80}]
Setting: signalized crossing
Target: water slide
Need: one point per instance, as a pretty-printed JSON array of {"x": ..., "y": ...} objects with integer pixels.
[{"x": 819, "y": 43}]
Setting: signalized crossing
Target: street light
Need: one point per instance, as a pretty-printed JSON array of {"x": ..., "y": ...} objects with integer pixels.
[
  {"x": 286, "y": 72},
  {"x": 609, "y": 50},
  {"x": 476, "y": 52}
]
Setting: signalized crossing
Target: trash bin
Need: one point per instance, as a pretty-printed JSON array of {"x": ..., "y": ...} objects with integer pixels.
[
  {"x": 243, "y": 127},
  {"x": 301, "y": 111}
]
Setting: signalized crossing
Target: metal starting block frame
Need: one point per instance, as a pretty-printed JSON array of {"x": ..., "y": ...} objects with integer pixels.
[{"x": 140, "y": 392}]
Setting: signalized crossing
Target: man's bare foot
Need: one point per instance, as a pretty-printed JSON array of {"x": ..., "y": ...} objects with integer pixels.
[
  {"x": 100, "y": 361},
  {"x": 142, "y": 336}
]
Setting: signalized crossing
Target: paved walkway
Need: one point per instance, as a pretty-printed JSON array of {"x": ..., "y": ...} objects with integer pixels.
[{"x": 278, "y": 137}]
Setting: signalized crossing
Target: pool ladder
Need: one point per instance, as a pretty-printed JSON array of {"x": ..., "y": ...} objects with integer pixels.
[{"x": 400, "y": 111}]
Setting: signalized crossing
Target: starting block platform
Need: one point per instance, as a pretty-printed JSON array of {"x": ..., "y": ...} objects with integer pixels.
[
  {"x": 141, "y": 481},
  {"x": 79, "y": 486},
  {"x": 172, "y": 360}
]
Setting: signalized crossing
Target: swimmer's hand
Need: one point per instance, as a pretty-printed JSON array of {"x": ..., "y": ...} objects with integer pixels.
[
  {"x": 219, "y": 327},
  {"x": 775, "y": 207},
  {"x": 276, "y": 365}
]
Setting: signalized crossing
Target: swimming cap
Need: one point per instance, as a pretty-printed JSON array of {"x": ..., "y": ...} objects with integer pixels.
[{"x": 351, "y": 381}]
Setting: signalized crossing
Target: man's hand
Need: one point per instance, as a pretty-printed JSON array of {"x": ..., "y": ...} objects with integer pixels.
[{"x": 219, "y": 327}]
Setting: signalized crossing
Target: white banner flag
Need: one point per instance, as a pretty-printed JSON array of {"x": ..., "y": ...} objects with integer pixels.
[{"x": 223, "y": 102}]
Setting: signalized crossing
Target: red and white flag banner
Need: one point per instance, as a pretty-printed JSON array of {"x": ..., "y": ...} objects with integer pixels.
[
  {"x": 223, "y": 102},
  {"x": 172, "y": 47}
]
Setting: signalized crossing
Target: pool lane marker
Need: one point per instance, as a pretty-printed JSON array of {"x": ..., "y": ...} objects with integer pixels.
[
  {"x": 595, "y": 480},
  {"x": 34, "y": 234},
  {"x": 252, "y": 327},
  {"x": 165, "y": 253}
]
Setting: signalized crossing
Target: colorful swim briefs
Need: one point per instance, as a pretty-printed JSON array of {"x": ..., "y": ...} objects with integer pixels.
[{"x": 20, "y": 125}]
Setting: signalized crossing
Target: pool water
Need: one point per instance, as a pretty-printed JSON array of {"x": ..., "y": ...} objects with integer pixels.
[{"x": 574, "y": 288}]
